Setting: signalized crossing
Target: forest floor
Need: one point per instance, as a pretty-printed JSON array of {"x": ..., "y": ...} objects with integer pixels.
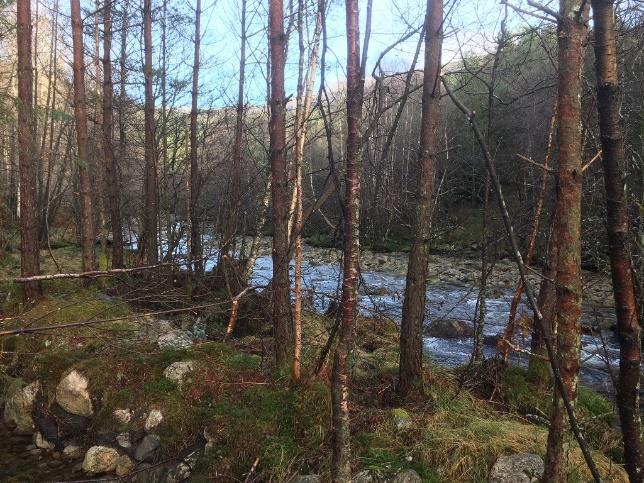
[{"x": 257, "y": 426}]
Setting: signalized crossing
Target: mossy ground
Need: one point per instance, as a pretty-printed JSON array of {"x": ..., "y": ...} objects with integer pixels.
[{"x": 456, "y": 431}]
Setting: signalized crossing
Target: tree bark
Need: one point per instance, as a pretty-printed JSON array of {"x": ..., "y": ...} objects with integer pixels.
[
  {"x": 151, "y": 194},
  {"x": 628, "y": 324},
  {"x": 196, "y": 251},
  {"x": 80, "y": 112},
  {"x": 304, "y": 99},
  {"x": 413, "y": 312},
  {"x": 282, "y": 327},
  {"x": 572, "y": 31},
  {"x": 232, "y": 220},
  {"x": 100, "y": 161},
  {"x": 341, "y": 433},
  {"x": 29, "y": 249},
  {"x": 111, "y": 169}
]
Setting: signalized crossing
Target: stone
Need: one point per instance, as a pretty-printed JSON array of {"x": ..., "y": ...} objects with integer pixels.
[
  {"x": 72, "y": 394},
  {"x": 363, "y": 477},
  {"x": 181, "y": 472},
  {"x": 122, "y": 416},
  {"x": 72, "y": 452},
  {"x": 306, "y": 479},
  {"x": 449, "y": 329},
  {"x": 146, "y": 449},
  {"x": 100, "y": 459},
  {"x": 35, "y": 452},
  {"x": 517, "y": 468},
  {"x": 177, "y": 371},
  {"x": 19, "y": 405},
  {"x": 124, "y": 465},
  {"x": 153, "y": 420},
  {"x": 402, "y": 419},
  {"x": 175, "y": 339},
  {"x": 41, "y": 442},
  {"x": 407, "y": 476},
  {"x": 123, "y": 440}
]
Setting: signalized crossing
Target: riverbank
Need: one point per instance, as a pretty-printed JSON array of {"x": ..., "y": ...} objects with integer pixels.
[{"x": 166, "y": 397}]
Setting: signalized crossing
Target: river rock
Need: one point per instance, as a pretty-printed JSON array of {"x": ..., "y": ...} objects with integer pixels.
[
  {"x": 175, "y": 339},
  {"x": 517, "y": 468},
  {"x": 177, "y": 371},
  {"x": 122, "y": 416},
  {"x": 153, "y": 420},
  {"x": 72, "y": 452},
  {"x": 124, "y": 465},
  {"x": 100, "y": 459},
  {"x": 124, "y": 440},
  {"x": 19, "y": 404},
  {"x": 147, "y": 447},
  {"x": 41, "y": 442},
  {"x": 449, "y": 329},
  {"x": 363, "y": 477},
  {"x": 72, "y": 394},
  {"x": 407, "y": 476}
]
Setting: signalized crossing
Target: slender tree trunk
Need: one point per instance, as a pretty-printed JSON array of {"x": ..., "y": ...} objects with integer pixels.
[
  {"x": 234, "y": 202},
  {"x": 195, "y": 232},
  {"x": 100, "y": 161},
  {"x": 151, "y": 194},
  {"x": 304, "y": 99},
  {"x": 281, "y": 289},
  {"x": 80, "y": 112},
  {"x": 29, "y": 252},
  {"x": 628, "y": 324},
  {"x": 572, "y": 31},
  {"x": 122, "y": 102},
  {"x": 413, "y": 314},
  {"x": 111, "y": 169},
  {"x": 341, "y": 433},
  {"x": 534, "y": 232},
  {"x": 538, "y": 365}
]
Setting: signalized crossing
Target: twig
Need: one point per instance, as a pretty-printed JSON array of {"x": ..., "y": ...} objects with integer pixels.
[
  {"x": 528, "y": 288},
  {"x": 589, "y": 163},
  {"x": 527, "y": 12},
  {"x": 539, "y": 165},
  {"x": 252, "y": 470}
]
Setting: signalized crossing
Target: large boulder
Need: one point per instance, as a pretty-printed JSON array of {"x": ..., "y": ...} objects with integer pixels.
[
  {"x": 19, "y": 405},
  {"x": 100, "y": 459},
  {"x": 449, "y": 329},
  {"x": 517, "y": 468},
  {"x": 72, "y": 394},
  {"x": 153, "y": 420}
]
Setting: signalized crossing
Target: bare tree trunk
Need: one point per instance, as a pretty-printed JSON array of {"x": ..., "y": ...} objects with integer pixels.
[
  {"x": 232, "y": 220},
  {"x": 195, "y": 232},
  {"x": 413, "y": 314},
  {"x": 538, "y": 365},
  {"x": 29, "y": 252},
  {"x": 151, "y": 194},
  {"x": 80, "y": 112},
  {"x": 304, "y": 99},
  {"x": 122, "y": 102},
  {"x": 279, "y": 183},
  {"x": 341, "y": 433},
  {"x": 534, "y": 232},
  {"x": 99, "y": 162},
  {"x": 628, "y": 324},
  {"x": 111, "y": 169},
  {"x": 572, "y": 31}
]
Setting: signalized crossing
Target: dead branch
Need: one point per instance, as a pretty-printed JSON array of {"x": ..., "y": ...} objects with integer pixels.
[
  {"x": 235, "y": 305},
  {"x": 538, "y": 165},
  {"x": 590, "y": 163}
]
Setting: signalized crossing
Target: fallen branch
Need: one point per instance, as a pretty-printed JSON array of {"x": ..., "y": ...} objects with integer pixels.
[
  {"x": 235, "y": 305},
  {"x": 489, "y": 162},
  {"x": 90, "y": 274},
  {"x": 31, "y": 330}
]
